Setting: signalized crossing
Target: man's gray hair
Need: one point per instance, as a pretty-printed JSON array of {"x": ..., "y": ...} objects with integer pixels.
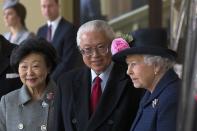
[{"x": 95, "y": 25}]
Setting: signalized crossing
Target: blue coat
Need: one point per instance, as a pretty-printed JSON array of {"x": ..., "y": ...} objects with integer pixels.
[
  {"x": 158, "y": 111},
  {"x": 64, "y": 41}
]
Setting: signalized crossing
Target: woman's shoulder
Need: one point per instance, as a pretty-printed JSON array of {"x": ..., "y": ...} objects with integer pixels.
[
  {"x": 11, "y": 96},
  {"x": 73, "y": 73},
  {"x": 27, "y": 34},
  {"x": 9, "y": 101},
  {"x": 6, "y": 35},
  {"x": 24, "y": 35}
]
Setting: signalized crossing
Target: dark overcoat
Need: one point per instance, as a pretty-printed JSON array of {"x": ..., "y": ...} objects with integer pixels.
[
  {"x": 116, "y": 109},
  {"x": 9, "y": 79},
  {"x": 64, "y": 41}
]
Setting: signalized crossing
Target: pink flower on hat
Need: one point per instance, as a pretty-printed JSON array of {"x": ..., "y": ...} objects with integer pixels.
[{"x": 118, "y": 45}]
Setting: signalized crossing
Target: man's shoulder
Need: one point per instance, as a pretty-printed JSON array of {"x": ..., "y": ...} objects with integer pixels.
[
  {"x": 12, "y": 96},
  {"x": 41, "y": 30},
  {"x": 42, "y": 27},
  {"x": 65, "y": 22},
  {"x": 66, "y": 25},
  {"x": 73, "y": 73}
]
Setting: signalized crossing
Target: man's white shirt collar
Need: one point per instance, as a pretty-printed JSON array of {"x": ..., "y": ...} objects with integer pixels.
[
  {"x": 104, "y": 76},
  {"x": 54, "y": 24}
]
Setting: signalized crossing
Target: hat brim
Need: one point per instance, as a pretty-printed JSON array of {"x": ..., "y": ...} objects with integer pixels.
[
  {"x": 9, "y": 4},
  {"x": 167, "y": 53}
]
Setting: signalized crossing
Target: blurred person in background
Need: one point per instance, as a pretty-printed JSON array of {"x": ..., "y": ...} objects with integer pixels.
[
  {"x": 31, "y": 107},
  {"x": 150, "y": 66},
  {"x": 90, "y": 10},
  {"x": 9, "y": 79},
  {"x": 61, "y": 34},
  {"x": 14, "y": 17}
]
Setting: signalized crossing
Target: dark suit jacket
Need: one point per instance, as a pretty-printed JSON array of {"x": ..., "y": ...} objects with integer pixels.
[
  {"x": 9, "y": 80},
  {"x": 158, "y": 111},
  {"x": 64, "y": 41},
  {"x": 115, "y": 112}
]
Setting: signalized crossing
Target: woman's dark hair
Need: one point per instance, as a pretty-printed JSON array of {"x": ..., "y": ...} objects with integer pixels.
[
  {"x": 34, "y": 45},
  {"x": 21, "y": 12}
]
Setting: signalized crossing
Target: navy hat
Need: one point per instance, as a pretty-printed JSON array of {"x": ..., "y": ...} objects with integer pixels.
[
  {"x": 9, "y": 3},
  {"x": 146, "y": 42}
]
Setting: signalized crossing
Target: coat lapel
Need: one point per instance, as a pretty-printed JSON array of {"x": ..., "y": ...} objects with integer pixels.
[
  {"x": 110, "y": 98},
  {"x": 60, "y": 28},
  {"x": 81, "y": 94},
  {"x": 139, "y": 113},
  {"x": 44, "y": 32},
  {"x": 169, "y": 77}
]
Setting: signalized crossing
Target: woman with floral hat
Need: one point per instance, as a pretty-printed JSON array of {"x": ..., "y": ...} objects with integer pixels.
[{"x": 150, "y": 65}]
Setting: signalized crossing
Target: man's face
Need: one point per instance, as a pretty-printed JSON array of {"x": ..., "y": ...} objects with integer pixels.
[
  {"x": 49, "y": 9},
  {"x": 98, "y": 43}
]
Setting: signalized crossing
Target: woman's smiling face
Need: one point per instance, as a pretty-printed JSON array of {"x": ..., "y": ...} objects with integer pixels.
[{"x": 33, "y": 70}]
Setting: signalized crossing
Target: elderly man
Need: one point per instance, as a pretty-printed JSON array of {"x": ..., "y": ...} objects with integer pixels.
[
  {"x": 100, "y": 96},
  {"x": 9, "y": 80}
]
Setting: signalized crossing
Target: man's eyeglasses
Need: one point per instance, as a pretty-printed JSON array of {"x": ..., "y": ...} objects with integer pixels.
[{"x": 89, "y": 51}]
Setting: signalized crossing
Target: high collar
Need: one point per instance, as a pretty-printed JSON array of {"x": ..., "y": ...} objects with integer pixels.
[
  {"x": 25, "y": 96},
  {"x": 55, "y": 22},
  {"x": 168, "y": 77}
]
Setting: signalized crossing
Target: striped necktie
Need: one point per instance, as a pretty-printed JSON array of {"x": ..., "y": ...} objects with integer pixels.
[{"x": 49, "y": 33}]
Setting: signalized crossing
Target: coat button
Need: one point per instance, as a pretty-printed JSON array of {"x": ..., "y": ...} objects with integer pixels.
[
  {"x": 44, "y": 104},
  {"x": 110, "y": 122},
  {"x": 43, "y": 128},
  {"x": 74, "y": 120},
  {"x": 20, "y": 126}
]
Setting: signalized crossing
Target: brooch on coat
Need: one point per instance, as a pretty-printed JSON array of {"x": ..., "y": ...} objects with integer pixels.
[
  {"x": 155, "y": 102},
  {"x": 49, "y": 99},
  {"x": 50, "y": 96}
]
